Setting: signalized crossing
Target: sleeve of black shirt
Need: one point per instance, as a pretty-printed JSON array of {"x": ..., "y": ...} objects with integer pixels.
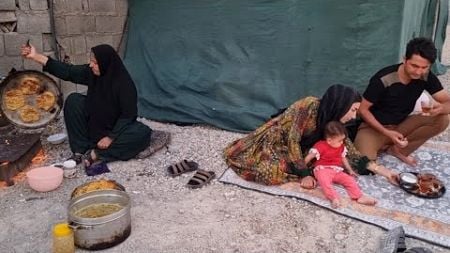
[
  {"x": 374, "y": 90},
  {"x": 433, "y": 84},
  {"x": 73, "y": 73}
]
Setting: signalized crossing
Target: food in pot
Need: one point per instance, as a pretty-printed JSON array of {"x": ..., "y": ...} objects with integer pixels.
[
  {"x": 101, "y": 184},
  {"x": 30, "y": 85},
  {"x": 14, "y": 99},
  {"x": 29, "y": 114},
  {"x": 46, "y": 100},
  {"x": 98, "y": 210}
]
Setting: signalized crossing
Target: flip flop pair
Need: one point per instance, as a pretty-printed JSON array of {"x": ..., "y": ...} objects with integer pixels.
[{"x": 198, "y": 180}]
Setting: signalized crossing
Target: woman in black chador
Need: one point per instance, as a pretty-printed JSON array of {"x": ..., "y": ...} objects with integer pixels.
[{"x": 101, "y": 124}]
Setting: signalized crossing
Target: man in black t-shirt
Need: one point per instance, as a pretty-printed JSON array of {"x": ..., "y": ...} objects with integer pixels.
[{"x": 390, "y": 98}]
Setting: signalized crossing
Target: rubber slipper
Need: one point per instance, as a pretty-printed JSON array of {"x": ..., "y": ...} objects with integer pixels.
[
  {"x": 200, "y": 178},
  {"x": 97, "y": 168},
  {"x": 181, "y": 167}
]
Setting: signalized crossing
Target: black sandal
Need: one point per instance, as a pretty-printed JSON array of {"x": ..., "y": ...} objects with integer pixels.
[
  {"x": 181, "y": 167},
  {"x": 200, "y": 179}
]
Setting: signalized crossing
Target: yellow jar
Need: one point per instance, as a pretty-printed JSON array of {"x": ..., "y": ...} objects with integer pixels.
[{"x": 63, "y": 241}]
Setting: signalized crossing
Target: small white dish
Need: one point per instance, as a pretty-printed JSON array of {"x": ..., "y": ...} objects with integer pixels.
[{"x": 57, "y": 138}]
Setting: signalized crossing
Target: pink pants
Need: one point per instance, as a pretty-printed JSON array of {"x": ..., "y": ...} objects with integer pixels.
[{"x": 327, "y": 176}]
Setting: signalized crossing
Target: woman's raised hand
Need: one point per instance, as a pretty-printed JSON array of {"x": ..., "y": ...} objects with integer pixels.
[{"x": 28, "y": 51}]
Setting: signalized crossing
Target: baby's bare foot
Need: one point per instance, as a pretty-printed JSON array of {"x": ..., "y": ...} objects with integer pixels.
[
  {"x": 366, "y": 200},
  {"x": 335, "y": 203}
]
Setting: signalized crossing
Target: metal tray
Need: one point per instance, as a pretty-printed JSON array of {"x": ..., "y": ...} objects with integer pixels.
[
  {"x": 416, "y": 192},
  {"x": 13, "y": 80}
]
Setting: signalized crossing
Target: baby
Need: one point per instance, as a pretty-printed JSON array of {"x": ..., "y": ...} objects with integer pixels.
[{"x": 329, "y": 166}]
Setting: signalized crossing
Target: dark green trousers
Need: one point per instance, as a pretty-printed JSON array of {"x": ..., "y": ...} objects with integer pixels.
[{"x": 134, "y": 139}]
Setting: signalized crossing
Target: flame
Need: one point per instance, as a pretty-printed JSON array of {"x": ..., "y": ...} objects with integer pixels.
[{"x": 40, "y": 157}]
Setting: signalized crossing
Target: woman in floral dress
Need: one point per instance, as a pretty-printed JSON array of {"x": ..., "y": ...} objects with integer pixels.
[{"x": 274, "y": 153}]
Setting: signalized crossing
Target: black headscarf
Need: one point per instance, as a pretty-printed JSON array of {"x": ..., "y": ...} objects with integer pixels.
[
  {"x": 110, "y": 96},
  {"x": 334, "y": 104}
]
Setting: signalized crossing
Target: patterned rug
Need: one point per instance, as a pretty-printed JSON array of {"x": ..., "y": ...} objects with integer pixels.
[{"x": 425, "y": 219}]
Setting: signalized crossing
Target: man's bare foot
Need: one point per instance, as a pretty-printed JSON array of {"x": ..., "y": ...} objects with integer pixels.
[
  {"x": 335, "y": 203},
  {"x": 366, "y": 200},
  {"x": 393, "y": 151}
]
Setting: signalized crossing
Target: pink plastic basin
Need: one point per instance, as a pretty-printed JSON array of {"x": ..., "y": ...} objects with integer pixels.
[{"x": 44, "y": 179}]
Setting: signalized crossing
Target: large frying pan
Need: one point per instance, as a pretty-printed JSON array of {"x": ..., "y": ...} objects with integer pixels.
[{"x": 13, "y": 81}]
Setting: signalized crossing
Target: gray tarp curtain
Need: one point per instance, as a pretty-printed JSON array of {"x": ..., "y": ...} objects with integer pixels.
[{"x": 233, "y": 63}]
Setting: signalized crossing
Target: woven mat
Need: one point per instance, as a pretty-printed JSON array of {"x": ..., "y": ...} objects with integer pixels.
[
  {"x": 425, "y": 219},
  {"x": 158, "y": 140}
]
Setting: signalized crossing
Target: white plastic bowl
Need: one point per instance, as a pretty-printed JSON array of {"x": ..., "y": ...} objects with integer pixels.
[
  {"x": 44, "y": 179},
  {"x": 57, "y": 138}
]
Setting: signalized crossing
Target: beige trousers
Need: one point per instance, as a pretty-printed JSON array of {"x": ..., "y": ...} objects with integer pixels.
[{"x": 416, "y": 128}]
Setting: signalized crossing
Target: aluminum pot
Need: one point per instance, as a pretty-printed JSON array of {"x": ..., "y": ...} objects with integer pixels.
[{"x": 102, "y": 232}]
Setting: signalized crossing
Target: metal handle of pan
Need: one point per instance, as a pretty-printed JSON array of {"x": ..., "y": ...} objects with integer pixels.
[{"x": 75, "y": 227}]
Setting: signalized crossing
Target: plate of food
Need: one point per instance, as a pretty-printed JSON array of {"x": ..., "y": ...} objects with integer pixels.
[
  {"x": 424, "y": 185},
  {"x": 30, "y": 99}
]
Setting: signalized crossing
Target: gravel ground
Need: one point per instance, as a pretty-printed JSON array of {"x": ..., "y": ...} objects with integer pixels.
[{"x": 168, "y": 217}]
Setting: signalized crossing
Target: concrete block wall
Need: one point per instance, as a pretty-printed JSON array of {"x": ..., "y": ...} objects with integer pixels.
[
  {"x": 79, "y": 25},
  {"x": 82, "y": 24},
  {"x": 21, "y": 20}
]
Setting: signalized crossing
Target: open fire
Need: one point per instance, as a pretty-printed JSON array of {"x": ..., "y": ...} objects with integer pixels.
[{"x": 17, "y": 151}]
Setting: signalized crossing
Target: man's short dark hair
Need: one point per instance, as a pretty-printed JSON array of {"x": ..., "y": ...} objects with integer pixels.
[{"x": 423, "y": 47}]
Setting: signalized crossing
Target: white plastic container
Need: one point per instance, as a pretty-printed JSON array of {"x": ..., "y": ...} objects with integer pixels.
[{"x": 57, "y": 138}]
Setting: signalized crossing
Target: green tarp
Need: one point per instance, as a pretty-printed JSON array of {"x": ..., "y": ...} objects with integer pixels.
[{"x": 233, "y": 63}]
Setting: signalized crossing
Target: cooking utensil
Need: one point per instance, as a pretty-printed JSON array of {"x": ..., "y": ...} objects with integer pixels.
[
  {"x": 13, "y": 80},
  {"x": 102, "y": 232}
]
